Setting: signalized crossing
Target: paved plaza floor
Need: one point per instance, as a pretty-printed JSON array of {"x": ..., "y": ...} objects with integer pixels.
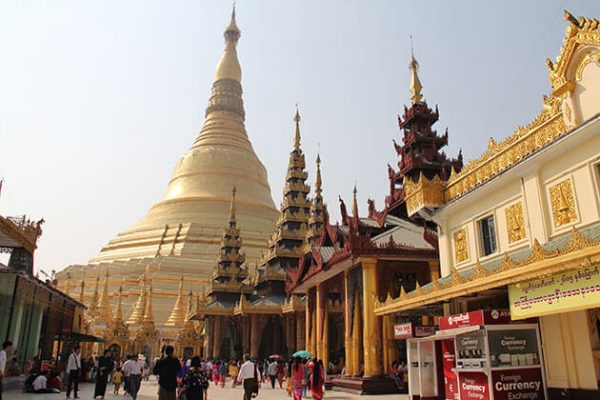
[{"x": 149, "y": 389}]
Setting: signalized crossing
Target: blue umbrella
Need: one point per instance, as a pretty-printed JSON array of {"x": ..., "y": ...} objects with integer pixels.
[{"x": 302, "y": 354}]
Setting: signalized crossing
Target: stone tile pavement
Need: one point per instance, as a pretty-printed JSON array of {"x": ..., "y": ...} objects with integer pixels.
[{"x": 149, "y": 389}]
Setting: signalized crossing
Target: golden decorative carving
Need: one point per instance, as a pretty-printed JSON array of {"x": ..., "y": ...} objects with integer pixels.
[
  {"x": 425, "y": 193},
  {"x": 563, "y": 203},
  {"x": 515, "y": 223},
  {"x": 461, "y": 251},
  {"x": 568, "y": 112},
  {"x": 591, "y": 57}
]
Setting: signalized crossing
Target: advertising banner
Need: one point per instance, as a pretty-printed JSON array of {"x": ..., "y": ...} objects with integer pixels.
[
  {"x": 562, "y": 292},
  {"x": 513, "y": 347},
  {"x": 473, "y": 386},
  {"x": 471, "y": 345},
  {"x": 524, "y": 383},
  {"x": 403, "y": 331},
  {"x": 449, "y": 363},
  {"x": 481, "y": 317}
]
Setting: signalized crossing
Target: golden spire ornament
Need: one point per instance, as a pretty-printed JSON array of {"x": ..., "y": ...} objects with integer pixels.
[
  {"x": 415, "y": 82},
  {"x": 119, "y": 313},
  {"x": 177, "y": 317},
  {"x": 104, "y": 311},
  {"x": 82, "y": 291},
  {"x": 354, "y": 203},
  {"x": 297, "y": 133}
]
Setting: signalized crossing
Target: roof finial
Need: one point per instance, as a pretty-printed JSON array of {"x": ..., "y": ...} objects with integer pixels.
[
  {"x": 318, "y": 181},
  {"x": 232, "y": 32},
  {"x": 297, "y": 135},
  {"x": 415, "y": 83},
  {"x": 232, "y": 205},
  {"x": 354, "y": 202}
]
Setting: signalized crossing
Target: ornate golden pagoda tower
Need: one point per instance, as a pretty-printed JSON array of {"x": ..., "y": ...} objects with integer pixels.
[
  {"x": 316, "y": 219},
  {"x": 286, "y": 243},
  {"x": 182, "y": 232}
]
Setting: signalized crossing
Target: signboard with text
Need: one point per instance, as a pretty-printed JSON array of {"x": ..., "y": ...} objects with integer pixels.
[
  {"x": 449, "y": 364},
  {"x": 562, "y": 292},
  {"x": 409, "y": 330},
  {"x": 481, "y": 317},
  {"x": 523, "y": 383},
  {"x": 473, "y": 386}
]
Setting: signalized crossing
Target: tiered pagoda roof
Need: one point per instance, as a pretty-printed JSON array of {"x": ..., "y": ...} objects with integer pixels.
[
  {"x": 317, "y": 210},
  {"x": 230, "y": 274},
  {"x": 286, "y": 244},
  {"x": 421, "y": 148}
]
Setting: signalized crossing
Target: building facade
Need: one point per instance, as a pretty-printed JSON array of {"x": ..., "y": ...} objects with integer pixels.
[{"x": 519, "y": 227}]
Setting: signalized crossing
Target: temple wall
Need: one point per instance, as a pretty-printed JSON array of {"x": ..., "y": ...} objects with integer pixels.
[{"x": 567, "y": 358}]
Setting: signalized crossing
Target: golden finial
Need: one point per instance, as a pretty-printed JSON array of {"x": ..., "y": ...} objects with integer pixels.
[
  {"x": 232, "y": 32},
  {"x": 149, "y": 314},
  {"x": 318, "y": 181},
  {"x": 415, "y": 82},
  {"x": 232, "y": 205},
  {"x": 119, "y": 313},
  {"x": 297, "y": 134},
  {"x": 82, "y": 291},
  {"x": 354, "y": 203}
]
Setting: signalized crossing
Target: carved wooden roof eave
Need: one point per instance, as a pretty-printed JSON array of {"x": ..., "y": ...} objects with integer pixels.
[
  {"x": 579, "y": 252},
  {"x": 25, "y": 236}
]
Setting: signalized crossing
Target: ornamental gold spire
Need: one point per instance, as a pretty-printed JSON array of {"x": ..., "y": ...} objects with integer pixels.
[
  {"x": 316, "y": 219},
  {"x": 415, "y": 82},
  {"x": 104, "y": 311},
  {"x": 177, "y": 317},
  {"x": 354, "y": 203},
  {"x": 149, "y": 314},
  {"x": 67, "y": 288},
  {"x": 82, "y": 291},
  {"x": 139, "y": 308},
  {"x": 297, "y": 132},
  {"x": 232, "y": 206},
  {"x": 94, "y": 303},
  {"x": 119, "y": 313},
  {"x": 229, "y": 66}
]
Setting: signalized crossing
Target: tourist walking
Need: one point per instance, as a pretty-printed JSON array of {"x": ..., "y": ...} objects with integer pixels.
[
  {"x": 105, "y": 367},
  {"x": 6, "y": 349},
  {"x": 288, "y": 374},
  {"x": 298, "y": 380},
  {"x": 133, "y": 369},
  {"x": 223, "y": 370},
  {"x": 166, "y": 369},
  {"x": 317, "y": 380},
  {"x": 272, "y": 371},
  {"x": 195, "y": 381},
  {"x": 248, "y": 377},
  {"x": 73, "y": 372},
  {"x": 233, "y": 372},
  {"x": 125, "y": 376}
]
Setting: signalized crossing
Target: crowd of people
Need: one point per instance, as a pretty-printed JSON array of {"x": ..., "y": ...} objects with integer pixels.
[{"x": 178, "y": 379}]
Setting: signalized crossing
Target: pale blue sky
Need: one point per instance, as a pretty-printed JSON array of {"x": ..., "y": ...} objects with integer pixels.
[{"x": 98, "y": 100}]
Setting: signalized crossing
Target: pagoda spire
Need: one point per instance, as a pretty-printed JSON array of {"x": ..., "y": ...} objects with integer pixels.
[
  {"x": 316, "y": 219},
  {"x": 119, "y": 313},
  {"x": 177, "y": 317},
  {"x": 104, "y": 311},
  {"x": 230, "y": 271},
  {"x": 67, "y": 288},
  {"x": 82, "y": 291},
  {"x": 139, "y": 308},
  {"x": 415, "y": 82},
  {"x": 297, "y": 132},
  {"x": 354, "y": 203},
  {"x": 229, "y": 66},
  {"x": 94, "y": 302},
  {"x": 149, "y": 314}
]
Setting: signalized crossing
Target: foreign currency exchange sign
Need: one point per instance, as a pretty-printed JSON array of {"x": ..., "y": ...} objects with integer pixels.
[{"x": 564, "y": 291}]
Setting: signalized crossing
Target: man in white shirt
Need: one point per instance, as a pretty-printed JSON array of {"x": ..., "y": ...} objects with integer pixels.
[
  {"x": 133, "y": 369},
  {"x": 6, "y": 350},
  {"x": 249, "y": 376},
  {"x": 40, "y": 384},
  {"x": 73, "y": 371}
]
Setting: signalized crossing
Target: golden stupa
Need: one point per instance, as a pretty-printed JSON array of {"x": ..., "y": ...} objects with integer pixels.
[{"x": 181, "y": 234}]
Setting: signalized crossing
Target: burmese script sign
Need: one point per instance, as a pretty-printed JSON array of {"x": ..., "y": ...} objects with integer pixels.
[
  {"x": 524, "y": 383},
  {"x": 562, "y": 292}
]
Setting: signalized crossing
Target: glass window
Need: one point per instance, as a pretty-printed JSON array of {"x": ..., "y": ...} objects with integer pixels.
[{"x": 487, "y": 232}]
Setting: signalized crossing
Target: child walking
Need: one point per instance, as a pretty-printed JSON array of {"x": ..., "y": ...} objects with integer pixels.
[{"x": 117, "y": 379}]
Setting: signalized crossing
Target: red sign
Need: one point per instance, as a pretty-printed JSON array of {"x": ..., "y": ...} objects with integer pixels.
[
  {"x": 449, "y": 363},
  {"x": 403, "y": 331},
  {"x": 409, "y": 330},
  {"x": 480, "y": 317},
  {"x": 423, "y": 331},
  {"x": 473, "y": 386},
  {"x": 526, "y": 383}
]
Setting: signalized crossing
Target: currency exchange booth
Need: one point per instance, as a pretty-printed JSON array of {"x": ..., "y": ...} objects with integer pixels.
[{"x": 478, "y": 355}]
